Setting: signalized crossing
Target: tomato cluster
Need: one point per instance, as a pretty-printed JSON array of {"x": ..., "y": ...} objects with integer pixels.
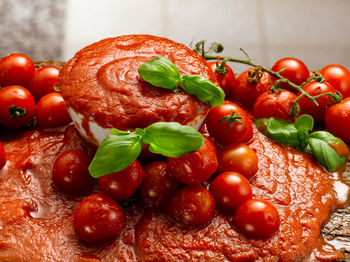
[
  {"x": 29, "y": 96},
  {"x": 269, "y": 97}
]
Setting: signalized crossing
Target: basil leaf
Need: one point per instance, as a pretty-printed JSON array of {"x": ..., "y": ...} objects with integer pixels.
[
  {"x": 303, "y": 137},
  {"x": 325, "y": 154},
  {"x": 325, "y": 136},
  {"x": 203, "y": 89},
  {"x": 118, "y": 132},
  {"x": 115, "y": 153},
  {"x": 305, "y": 121},
  {"x": 282, "y": 131},
  {"x": 160, "y": 72},
  {"x": 172, "y": 139}
]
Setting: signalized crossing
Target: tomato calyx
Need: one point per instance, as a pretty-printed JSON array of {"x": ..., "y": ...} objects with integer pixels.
[
  {"x": 220, "y": 68},
  {"x": 255, "y": 75},
  {"x": 233, "y": 118},
  {"x": 16, "y": 111}
]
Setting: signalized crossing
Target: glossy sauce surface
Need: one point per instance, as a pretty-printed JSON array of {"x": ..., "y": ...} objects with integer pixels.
[
  {"x": 36, "y": 220},
  {"x": 101, "y": 82}
]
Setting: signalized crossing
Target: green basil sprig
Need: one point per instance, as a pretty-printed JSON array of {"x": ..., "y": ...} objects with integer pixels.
[
  {"x": 161, "y": 72},
  {"x": 119, "y": 149},
  {"x": 298, "y": 134}
]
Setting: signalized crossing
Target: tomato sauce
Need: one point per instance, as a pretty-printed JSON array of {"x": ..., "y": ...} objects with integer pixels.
[
  {"x": 101, "y": 82},
  {"x": 36, "y": 218}
]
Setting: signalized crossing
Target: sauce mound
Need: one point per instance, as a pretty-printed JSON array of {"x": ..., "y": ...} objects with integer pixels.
[
  {"x": 36, "y": 219},
  {"x": 102, "y": 84}
]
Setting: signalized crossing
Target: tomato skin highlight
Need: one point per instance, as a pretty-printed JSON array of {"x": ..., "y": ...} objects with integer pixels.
[
  {"x": 195, "y": 167},
  {"x": 98, "y": 218},
  {"x": 122, "y": 184},
  {"x": 238, "y": 158},
  {"x": 337, "y": 120},
  {"x": 314, "y": 88},
  {"x": 257, "y": 218},
  {"x": 21, "y": 98},
  {"x": 338, "y": 77},
  {"x": 230, "y": 190},
  {"x": 51, "y": 111},
  {"x": 246, "y": 92},
  {"x": 221, "y": 131},
  {"x": 295, "y": 71},
  {"x": 277, "y": 104},
  {"x": 226, "y": 81},
  {"x": 44, "y": 81},
  {"x": 192, "y": 205},
  {"x": 2, "y": 156},
  {"x": 70, "y": 172},
  {"x": 16, "y": 69}
]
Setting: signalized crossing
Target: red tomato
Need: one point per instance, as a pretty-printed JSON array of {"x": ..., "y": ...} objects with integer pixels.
[
  {"x": 51, "y": 111},
  {"x": 16, "y": 69},
  {"x": 246, "y": 91},
  {"x": 195, "y": 167},
  {"x": 238, "y": 158},
  {"x": 339, "y": 78},
  {"x": 337, "y": 119},
  {"x": 277, "y": 104},
  {"x": 122, "y": 184},
  {"x": 98, "y": 218},
  {"x": 295, "y": 71},
  {"x": 2, "y": 156},
  {"x": 307, "y": 107},
  {"x": 193, "y": 205},
  {"x": 257, "y": 218},
  {"x": 225, "y": 80},
  {"x": 230, "y": 190},
  {"x": 221, "y": 131},
  {"x": 70, "y": 172},
  {"x": 158, "y": 186},
  {"x": 44, "y": 81},
  {"x": 16, "y": 107}
]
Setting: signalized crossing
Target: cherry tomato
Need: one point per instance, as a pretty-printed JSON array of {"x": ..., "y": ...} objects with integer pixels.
[
  {"x": 44, "y": 81},
  {"x": 195, "y": 167},
  {"x": 122, "y": 184},
  {"x": 221, "y": 130},
  {"x": 257, "y": 218},
  {"x": 192, "y": 205},
  {"x": 16, "y": 69},
  {"x": 295, "y": 71},
  {"x": 338, "y": 77},
  {"x": 158, "y": 186},
  {"x": 70, "y": 172},
  {"x": 307, "y": 107},
  {"x": 238, "y": 158},
  {"x": 277, "y": 104},
  {"x": 2, "y": 156},
  {"x": 98, "y": 218},
  {"x": 247, "y": 87},
  {"x": 16, "y": 107},
  {"x": 225, "y": 80},
  {"x": 337, "y": 119},
  {"x": 51, "y": 111},
  {"x": 230, "y": 190}
]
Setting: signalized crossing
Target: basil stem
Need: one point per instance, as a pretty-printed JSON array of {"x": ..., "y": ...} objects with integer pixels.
[
  {"x": 118, "y": 150},
  {"x": 160, "y": 72}
]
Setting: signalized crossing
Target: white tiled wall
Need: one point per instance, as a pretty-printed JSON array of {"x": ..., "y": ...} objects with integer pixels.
[{"x": 315, "y": 31}]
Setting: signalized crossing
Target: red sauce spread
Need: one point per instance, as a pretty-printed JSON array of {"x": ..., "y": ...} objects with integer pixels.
[
  {"x": 101, "y": 82},
  {"x": 36, "y": 219}
]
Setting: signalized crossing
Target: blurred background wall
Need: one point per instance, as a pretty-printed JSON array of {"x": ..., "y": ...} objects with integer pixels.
[{"x": 315, "y": 31}]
